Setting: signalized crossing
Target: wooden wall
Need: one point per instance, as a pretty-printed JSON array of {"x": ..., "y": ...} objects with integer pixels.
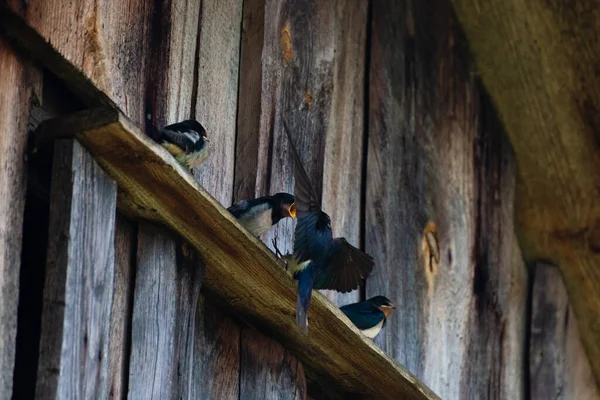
[{"x": 397, "y": 137}]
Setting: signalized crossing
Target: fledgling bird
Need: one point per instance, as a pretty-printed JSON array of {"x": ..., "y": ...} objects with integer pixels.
[
  {"x": 259, "y": 215},
  {"x": 369, "y": 316},
  {"x": 321, "y": 261},
  {"x": 186, "y": 141}
]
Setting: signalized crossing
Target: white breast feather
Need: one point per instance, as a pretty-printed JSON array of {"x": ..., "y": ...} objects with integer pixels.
[
  {"x": 258, "y": 221},
  {"x": 372, "y": 332}
]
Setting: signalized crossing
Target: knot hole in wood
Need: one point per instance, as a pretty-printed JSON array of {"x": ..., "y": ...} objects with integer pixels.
[{"x": 431, "y": 254}]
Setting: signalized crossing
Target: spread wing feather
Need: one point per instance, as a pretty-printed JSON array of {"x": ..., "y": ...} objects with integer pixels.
[
  {"x": 346, "y": 267},
  {"x": 306, "y": 197}
]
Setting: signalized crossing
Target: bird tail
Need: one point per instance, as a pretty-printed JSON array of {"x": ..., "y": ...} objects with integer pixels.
[{"x": 305, "y": 284}]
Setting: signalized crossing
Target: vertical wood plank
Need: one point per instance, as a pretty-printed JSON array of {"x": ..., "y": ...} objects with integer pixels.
[
  {"x": 268, "y": 370},
  {"x": 121, "y": 314},
  {"x": 217, "y": 92},
  {"x": 74, "y": 345},
  {"x": 437, "y": 155},
  {"x": 558, "y": 365},
  {"x": 313, "y": 78},
  {"x": 343, "y": 158},
  {"x": 249, "y": 100},
  {"x": 14, "y": 111},
  {"x": 152, "y": 368}
]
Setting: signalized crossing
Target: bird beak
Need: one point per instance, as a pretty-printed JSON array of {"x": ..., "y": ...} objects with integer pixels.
[
  {"x": 292, "y": 210},
  {"x": 205, "y": 139}
]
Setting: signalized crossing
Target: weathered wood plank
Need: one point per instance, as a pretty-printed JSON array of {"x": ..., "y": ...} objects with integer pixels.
[
  {"x": 343, "y": 158},
  {"x": 14, "y": 111},
  {"x": 313, "y": 71},
  {"x": 238, "y": 267},
  {"x": 549, "y": 50},
  {"x": 216, "y": 103},
  {"x": 268, "y": 371},
  {"x": 74, "y": 345},
  {"x": 249, "y": 101},
  {"x": 120, "y": 324},
  {"x": 151, "y": 368},
  {"x": 558, "y": 366},
  {"x": 438, "y": 163}
]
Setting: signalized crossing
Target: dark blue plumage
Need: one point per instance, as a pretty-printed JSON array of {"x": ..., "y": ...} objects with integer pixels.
[
  {"x": 186, "y": 141},
  {"x": 369, "y": 316},
  {"x": 334, "y": 263},
  {"x": 260, "y": 214}
]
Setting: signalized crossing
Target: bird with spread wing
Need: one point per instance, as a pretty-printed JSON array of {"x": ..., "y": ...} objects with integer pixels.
[{"x": 320, "y": 261}]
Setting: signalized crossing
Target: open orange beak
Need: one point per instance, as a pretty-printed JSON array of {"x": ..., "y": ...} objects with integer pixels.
[{"x": 292, "y": 210}]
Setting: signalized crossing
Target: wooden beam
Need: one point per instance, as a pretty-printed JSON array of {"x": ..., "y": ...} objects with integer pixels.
[
  {"x": 538, "y": 60},
  {"x": 239, "y": 268},
  {"x": 558, "y": 366},
  {"x": 14, "y": 112},
  {"x": 439, "y": 164},
  {"x": 75, "y": 337}
]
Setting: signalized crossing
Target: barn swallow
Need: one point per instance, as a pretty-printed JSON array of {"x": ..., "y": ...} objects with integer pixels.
[
  {"x": 186, "y": 141},
  {"x": 369, "y": 316},
  {"x": 259, "y": 215},
  {"x": 323, "y": 262}
]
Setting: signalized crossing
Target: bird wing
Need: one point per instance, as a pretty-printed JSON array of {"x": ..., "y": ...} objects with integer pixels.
[
  {"x": 363, "y": 314},
  {"x": 238, "y": 208},
  {"x": 345, "y": 267},
  {"x": 312, "y": 237},
  {"x": 181, "y": 136},
  {"x": 306, "y": 197}
]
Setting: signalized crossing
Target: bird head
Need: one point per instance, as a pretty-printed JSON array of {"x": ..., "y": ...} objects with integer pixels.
[
  {"x": 382, "y": 303},
  {"x": 287, "y": 204}
]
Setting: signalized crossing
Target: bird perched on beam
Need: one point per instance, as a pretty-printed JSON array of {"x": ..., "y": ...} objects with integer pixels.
[
  {"x": 369, "y": 316},
  {"x": 321, "y": 261},
  {"x": 259, "y": 215},
  {"x": 186, "y": 141}
]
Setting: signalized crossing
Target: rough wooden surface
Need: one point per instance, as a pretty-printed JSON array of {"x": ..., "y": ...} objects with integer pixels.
[
  {"x": 238, "y": 267},
  {"x": 438, "y": 163},
  {"x": 14, "y": 111},
  {"x": 216, "y": 102},
  {"x": 75, "y": 338},
  {"x": 343, "y": 157},
  {"x": 151, "y": 368},
  {"x": 249, "y": 100},
  {"x": 313, "y": 68},
  {"x": 120, "y": 324},
  {"x": 268, "y": 370},
  {"x": 550, "y": 52},
  {"x": 558, "y": 366}
]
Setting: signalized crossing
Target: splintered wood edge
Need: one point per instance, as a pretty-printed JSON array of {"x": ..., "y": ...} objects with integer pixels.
[{"x": 239, "y": 267}]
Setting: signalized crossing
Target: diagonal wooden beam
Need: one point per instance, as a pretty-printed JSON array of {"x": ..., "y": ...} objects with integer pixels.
[{"x": 239, "y": 268}]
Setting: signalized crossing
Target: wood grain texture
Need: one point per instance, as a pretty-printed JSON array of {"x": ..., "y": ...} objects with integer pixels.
[
  {"x": 152, "y": 369},
  {"x": 249, "y": 100},
  {"x": 74, "y": 345},
  {"x": 268, "y": 371},
  {"x": 14, "y": 111},
  {"x": 549, "y": 50},
  {"x": 239, "y": 268},
  {"x": 438, "y": 162},
  {"x": 216, "y": 104},
  {"x": 558, "y": 366},
  {"x": 343, "y": 158},
  {"x": 313, "y": 71},
  {"x": 120, "y": 324}
]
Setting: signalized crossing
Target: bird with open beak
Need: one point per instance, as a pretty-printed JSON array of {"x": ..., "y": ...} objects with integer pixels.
[
  {"x": 369, "y": 316},
  {"x": 321, "y": 261},
  {"x": 186, "y": 141},
  {"x": 259, "y": 215}
]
